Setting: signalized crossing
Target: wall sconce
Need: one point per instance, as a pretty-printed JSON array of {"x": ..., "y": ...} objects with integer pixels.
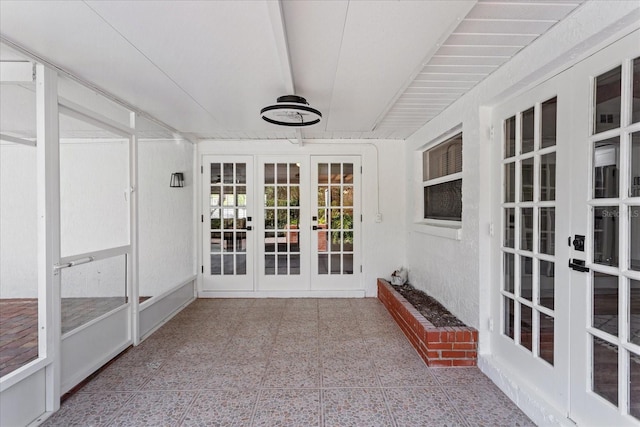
[{"x": 177, "y": 180}]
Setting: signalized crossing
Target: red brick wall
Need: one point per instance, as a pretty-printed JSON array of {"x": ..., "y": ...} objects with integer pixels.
[{"x": 444, "y": 346}]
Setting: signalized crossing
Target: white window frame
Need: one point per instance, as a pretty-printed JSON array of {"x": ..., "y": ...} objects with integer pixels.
[{"x": 451, "y": 229}]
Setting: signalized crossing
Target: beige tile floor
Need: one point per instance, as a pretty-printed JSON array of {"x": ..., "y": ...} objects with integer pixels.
[{"x": 284, "y": 362}]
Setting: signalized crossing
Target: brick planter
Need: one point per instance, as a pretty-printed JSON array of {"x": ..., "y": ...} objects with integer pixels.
[{"x": 444, "y": 346}]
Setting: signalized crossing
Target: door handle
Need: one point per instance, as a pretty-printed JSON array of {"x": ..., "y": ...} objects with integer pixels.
[
  {"x": 248, "y": 228},
  {"x": 315, "y": 227},
  {"x": 578, "y": 265}
]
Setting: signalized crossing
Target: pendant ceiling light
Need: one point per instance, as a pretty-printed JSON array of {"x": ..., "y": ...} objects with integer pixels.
[{"x": 291, "y": 110}]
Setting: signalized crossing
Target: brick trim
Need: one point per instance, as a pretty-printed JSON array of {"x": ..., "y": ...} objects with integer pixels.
[{"x": 444, "y": 346}]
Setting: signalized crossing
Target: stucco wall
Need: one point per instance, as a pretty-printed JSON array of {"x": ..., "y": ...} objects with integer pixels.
[{"x": 166, "y": 249}]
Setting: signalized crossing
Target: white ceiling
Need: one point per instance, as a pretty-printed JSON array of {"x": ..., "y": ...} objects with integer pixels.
[{"x": 375, "y": 69}]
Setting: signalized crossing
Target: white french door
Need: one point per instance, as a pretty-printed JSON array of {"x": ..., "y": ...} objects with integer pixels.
[
  {"x": 533, "y": 302},
  {"x": 336, "y": 219},
  {"x": 281, "y": 225},
  {"x": 605, "y": 237},
  {"x": 568, "y": 257},
  {"x": 228, "y": 239}
]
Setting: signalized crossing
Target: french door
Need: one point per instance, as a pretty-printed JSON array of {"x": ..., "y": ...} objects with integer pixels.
[
  {"x": 568, "y": 257},
  {"x": 274, "y": 225}
]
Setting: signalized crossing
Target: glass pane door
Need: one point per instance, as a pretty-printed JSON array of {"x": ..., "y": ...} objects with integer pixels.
[
  {"x": 336, "y": 223},
  {"x": 227, "y": 264}
]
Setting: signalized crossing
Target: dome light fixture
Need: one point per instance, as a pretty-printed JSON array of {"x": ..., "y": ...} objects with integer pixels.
[{"x": 291, "y": 110}]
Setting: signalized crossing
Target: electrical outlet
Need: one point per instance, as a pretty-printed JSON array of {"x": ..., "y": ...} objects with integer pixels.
[{"x": 378, "y": 217}]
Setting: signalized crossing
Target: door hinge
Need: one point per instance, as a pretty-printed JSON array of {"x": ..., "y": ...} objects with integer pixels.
[
  {"x": 360, "y": 217},
  {"x": 202, "y": 269},
  {"x": 360, "y": 269},
  {"x": 201, "y": 218},
  {"x": 201, "y": 169},
  {"x": 360, "y": 170}
]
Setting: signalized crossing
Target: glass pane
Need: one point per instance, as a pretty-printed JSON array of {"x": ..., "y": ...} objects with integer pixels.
[
  {"x": 634, "y": 238},
  {"x": 527, "y": 130},
  {"x": 269, "y": 265},
  {"x": 227, "y": 244},
  {"x": 216, "y": 223},
  {"x": 336, "y": 219},
  {"x": 606, "y": 114},
  {"x": 526, "y": 229},
  {"x": 241, "y": 264},
  {"x": 347, "y": 219},
  {"x": 509, "y": 272},
  {"x": 228, "y": 196},
  {"x": 634, "y": 311},
  {"x": 635, "y": 117},
  {"x": 605, "y": 303},
  {"x": 269, "y": 242},
  {"x": 294, "y": 173},
  {"x": 282, "y": 219},
  {"x": 295, "y": 264},
  {"x": 216, "y": 242},
  {"x": 634, "y": 187},
  {"x": 347, "y": 173},
  {"x": 294, "y": 241},
  {"x": 323, "y": 264},
  {"x": 444, "y": 201},
  {"x": 549, "y": 123},
  {"x": 283, "y": 198},
  {"x": 336, "y": 174},
  {"x": 241, "y": 173},
  {"x": 335, "y": 264},
  {"x": 547, "y": 218},
  {"x": 509, "y": 317},
  {"x": 215, "y": 198},
  {"x": 347, "y": 195},
  {"x": 510, "y": 182},
  {"x": 323, "y": 173},
  {"x": 526, "y": 327},
  {"x": 294, "y": 195},
  {"x": 269, "y": 173},
  {"x": 241, "y": 195},
  {"x": 510, "y": 137},
  {"x": 547, "y": 284},
  {"x": 283, "y": 268},
  {"x": 336, "y": 241},
  {"x": 634, "y": 382},
  {"x": 606, "y": 160},
  {"x": 91, "y": 290},
  {"x": 605, "y": 370},
  {"x": 215, "y": 173},
  {"x": 216, "y": 265},
  {"x": 323, "y": 196},
  {"x": 269, "y": 196},
  {"x": 229, "y": 219},
  {"x": 526, "y": 180},
  {"x": 269, "y": 219},
  {"x": 348, "y": 241},
  {"x": 335, "y": 196},
  {"x": 546, "y": 337},
  {"x": 228, "y": 173},
  {"x": 443, "y": 159},
  {"x": 282, "y": 173},
  {"x": 509, "y": 227},
  {"x": 241, "y": 219},
  {"x": 347, "y": 264},
  {"x": 526, "y": 277},
  {"x": 322, "y": 241},
  {"x": 282, "y": 245},
  {"x": 548, "y": 177},
  {"x": 241, "y": 242},
  {"x": 605, "y": 235}
]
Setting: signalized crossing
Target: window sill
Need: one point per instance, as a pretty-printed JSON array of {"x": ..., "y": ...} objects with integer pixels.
[{"x": 453, "y": 232}]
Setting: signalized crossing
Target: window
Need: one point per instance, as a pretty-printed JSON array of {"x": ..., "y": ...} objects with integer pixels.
[{"x": 442, "y": 180}]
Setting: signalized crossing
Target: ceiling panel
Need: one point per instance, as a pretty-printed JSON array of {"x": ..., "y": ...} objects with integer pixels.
[{"x": 518, "y": 10}]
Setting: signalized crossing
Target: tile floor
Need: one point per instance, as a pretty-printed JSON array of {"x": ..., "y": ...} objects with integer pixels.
[{"x": 284, "y": 362}]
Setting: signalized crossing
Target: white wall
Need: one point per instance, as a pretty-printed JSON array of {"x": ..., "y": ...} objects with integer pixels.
[
  {"x": 383, "y": 243},
  {"x": 166, "y": 248},
  {"x": 18, "y": 222}
]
